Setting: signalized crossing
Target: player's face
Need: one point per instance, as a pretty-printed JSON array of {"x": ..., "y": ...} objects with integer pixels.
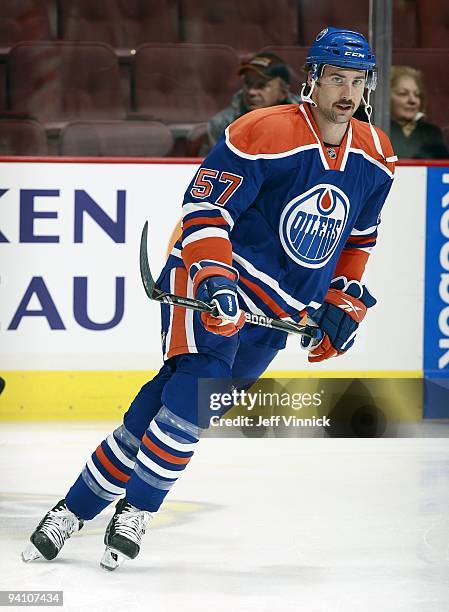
[
  {"x": 405, "y": 99},
  {"x": 259, "y": 93},
  {"x": 338, "y": 93}
]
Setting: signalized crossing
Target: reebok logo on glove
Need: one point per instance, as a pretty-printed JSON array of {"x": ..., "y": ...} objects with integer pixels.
[
  {"x": 345, "y": 306},
  {"x": 350, "y": 307}
]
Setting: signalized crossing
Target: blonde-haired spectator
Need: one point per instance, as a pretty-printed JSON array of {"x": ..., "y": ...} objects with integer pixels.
[{"x": 411, "y": 135}]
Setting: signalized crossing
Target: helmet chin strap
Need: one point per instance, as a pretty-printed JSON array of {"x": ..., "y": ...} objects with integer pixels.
[
  {"x": 308, "y": 97},
  {"x": 368, "y": 107},
  {"x": 374, "y": 134}
]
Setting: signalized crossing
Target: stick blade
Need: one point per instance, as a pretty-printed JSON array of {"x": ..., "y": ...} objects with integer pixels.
[{"x": 145, "y": 272}]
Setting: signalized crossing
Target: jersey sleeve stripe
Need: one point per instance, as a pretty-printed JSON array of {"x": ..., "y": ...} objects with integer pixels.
[
  {"x": 207, "y": 214},
  {"x": 206, "y": 232},
  {"x": 371, "y": 244},
  {"x": 196, "y": 250},
  {"x": 204, "y": 221},
  {"x": 361, "y": 240},
  {"x": 191, "y": 207},
  {"x": 364, "y": 232},
  {"x": 196, "y": 230}
]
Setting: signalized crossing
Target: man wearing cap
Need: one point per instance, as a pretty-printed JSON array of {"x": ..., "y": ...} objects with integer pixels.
[{"x": 265, "y": 82}]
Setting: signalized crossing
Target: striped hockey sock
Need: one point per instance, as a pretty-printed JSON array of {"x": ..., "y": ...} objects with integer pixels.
[
  {"x": 166, "y": 448},
  {"x": 105, "y": 475}
]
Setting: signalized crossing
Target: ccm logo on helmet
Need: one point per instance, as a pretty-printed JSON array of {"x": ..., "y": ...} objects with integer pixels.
[{"x": 353, "y": 54}]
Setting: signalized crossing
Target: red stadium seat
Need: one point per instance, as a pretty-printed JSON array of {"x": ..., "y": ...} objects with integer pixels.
[
  {"x": 295, "y": 57},
  {"x": 65, "y": 81},
  {"x": 247, "y": 26},
  {"x": 434, "y": 65},
  {"x": 116, "y": 138},
  {"x": 123, "y": 24},
  {"x": 433, "y": 18},
  {"x": 22, "y": 137},
  {"x": 24, "y": 20},
  {"x": 354, "y": 14},
  {"x": 184, "y": 83}
]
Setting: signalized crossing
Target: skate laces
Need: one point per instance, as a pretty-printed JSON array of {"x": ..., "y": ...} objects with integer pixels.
[
  {"x": 131, "y": 522},
  {"x": 59, "y": 524}
]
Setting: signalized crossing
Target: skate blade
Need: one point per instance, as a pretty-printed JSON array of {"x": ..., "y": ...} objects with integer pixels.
[
  {"x": 112, "y": 559},
  {"x": 30, "y": 553}
]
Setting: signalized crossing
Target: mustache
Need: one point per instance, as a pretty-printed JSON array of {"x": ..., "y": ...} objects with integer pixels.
[{"x": 345, "y": 103}]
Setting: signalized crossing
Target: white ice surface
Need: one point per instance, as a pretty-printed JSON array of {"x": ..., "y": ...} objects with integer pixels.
[{"x": 288, "y": 525}]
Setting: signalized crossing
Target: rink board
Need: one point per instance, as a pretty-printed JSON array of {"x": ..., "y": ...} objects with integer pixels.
[
  {"x": 105, "y": 395},
  {"x": 75, "y": 322}
]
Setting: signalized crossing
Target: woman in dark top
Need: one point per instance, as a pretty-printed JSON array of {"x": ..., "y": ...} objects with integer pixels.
[{"x": 411, "y": 136}]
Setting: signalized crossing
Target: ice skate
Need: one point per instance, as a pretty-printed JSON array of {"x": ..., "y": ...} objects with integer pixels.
[
  {"x": 49, "y": 536},
  {"x": 123, "y": 534}
]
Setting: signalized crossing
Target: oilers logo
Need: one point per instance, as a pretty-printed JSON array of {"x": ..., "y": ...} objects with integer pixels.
[{"x": 311, "y": 225}]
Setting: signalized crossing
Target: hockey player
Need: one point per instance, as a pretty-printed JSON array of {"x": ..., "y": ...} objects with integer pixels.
[{"x": 279, "y": 220}]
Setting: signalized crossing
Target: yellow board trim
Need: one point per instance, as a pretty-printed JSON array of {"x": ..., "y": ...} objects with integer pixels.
[
  {"x": 343, "y": 374},
  {"x": 106, "y": 395}
]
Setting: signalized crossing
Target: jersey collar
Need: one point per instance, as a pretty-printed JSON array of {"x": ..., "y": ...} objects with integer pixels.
[{"x": 340, "y": 162}]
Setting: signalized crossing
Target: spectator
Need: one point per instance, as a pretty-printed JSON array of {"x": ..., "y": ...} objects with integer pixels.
[
  {"x": 265, "y": 82},
  {"x": 411, "y": 136}
]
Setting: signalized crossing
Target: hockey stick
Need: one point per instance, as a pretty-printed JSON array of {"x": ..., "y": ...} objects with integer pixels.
[{"x": 177, "y": 300}]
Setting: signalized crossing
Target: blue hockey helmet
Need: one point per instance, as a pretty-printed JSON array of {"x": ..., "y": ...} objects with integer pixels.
[{"x": 345, "y": 49}]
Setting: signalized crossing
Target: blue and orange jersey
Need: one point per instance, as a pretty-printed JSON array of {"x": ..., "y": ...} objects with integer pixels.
[{"x": 287, "y": 211}]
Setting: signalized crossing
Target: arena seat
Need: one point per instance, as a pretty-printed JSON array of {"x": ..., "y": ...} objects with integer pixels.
[
  {"x": 295, "y": 57},
  {"x": 116, "y": 138},
  {"x": 65, "y": 81},
  {"x": 22, "y": 137},
  {"x": 24, "y": 20},
  {"x": 354, "y": 14},
  {"x": 182, "y": 83},
  {"x": 123, "y": 24},
  {"x": 246, "y": 26},
  {"x": 433, "y": 20},
  {"x": 434, "y": 65}
]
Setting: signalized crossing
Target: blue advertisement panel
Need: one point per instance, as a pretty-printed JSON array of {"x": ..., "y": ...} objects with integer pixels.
[{"x": 436, "y": 311}]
